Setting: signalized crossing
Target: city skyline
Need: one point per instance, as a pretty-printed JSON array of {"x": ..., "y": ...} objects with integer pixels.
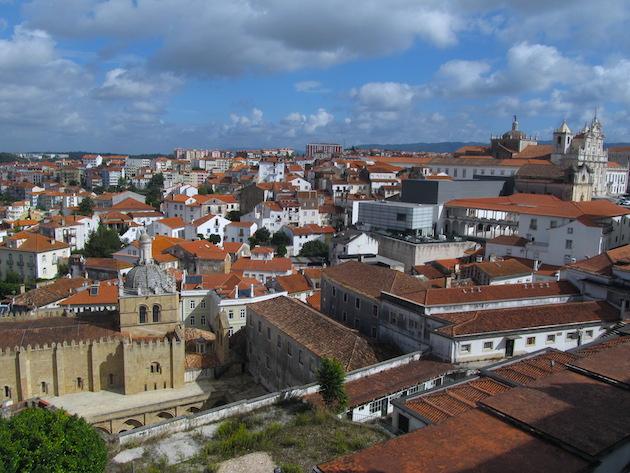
[{"x": 144, "y": 77}]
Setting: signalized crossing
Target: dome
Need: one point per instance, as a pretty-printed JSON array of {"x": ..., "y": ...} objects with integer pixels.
[
  {"x": 145, "y": 238},
  {"x": 148, "y": 279}
]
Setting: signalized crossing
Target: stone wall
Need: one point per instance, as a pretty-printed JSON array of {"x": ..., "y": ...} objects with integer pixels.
[
  {"x": 218, "y": 414},
  {"x": 64, "y": 368}
]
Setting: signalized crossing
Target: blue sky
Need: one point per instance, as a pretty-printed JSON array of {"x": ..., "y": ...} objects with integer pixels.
[{"x": 135, "y": 76}]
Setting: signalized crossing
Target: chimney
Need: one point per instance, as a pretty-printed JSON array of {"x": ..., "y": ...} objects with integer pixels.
[
  {"x": 536, "y": 265},
  {"x": 236, "y": 291},
  {"x": 448, "y": 281},
  {"x": 251, "y": 290},
  {"x": 492, "y": 258}
]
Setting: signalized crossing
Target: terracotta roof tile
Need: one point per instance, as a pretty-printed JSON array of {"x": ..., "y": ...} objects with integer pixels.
[
  {"x": 319, "y": 334},
  {"x": 372, "y": 280}
]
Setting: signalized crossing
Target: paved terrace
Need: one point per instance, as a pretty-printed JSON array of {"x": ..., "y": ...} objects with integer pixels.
[{"x": 97, "y": 406}]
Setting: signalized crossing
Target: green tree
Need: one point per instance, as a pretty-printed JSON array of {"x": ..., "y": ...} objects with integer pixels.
[
  {"x": 281, "y": 251},
  {"x": 214, "y": 238},
  {"x": 280, "y": 238},
  {"x": 86, "y": 207},
  {"x": 102, "y": 243},
  {"x": 330, "y": 377},
  {"x": 262, "y": 236},
  {"x": 314, "y": 248},
  {"x": 47, "y": 441},
  {"x": 205, "y": 189},
  {"x": 154, "y": 190},
  {"x": 234, "y": 215}
]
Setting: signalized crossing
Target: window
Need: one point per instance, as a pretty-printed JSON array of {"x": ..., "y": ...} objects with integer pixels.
[
  {"x": 465, "y": 348},
  {"x": 334, "y": 291},
  {"x": 203, "y": 320},
  {"x": 568, "y": 244},
  {"x": 7, "y": 391},
  {"x": 554, "y": 224},
  {"x": 588, "y": 334},
  {"x": 551, "y": 338},
  {"x": 143, "y": 314},
  {"x": 300, "y": 357},
  {"x": 570, "y": 230},
  {"x": 488, "y": 345},
  {"x": 357, "y": 303},
  {"x": 192, "y": 320},
  {"x": 259, "y": 327},
  {"x": 268, "y": 333},
  {"x": 533, "y": 224},
  {"x": 231, "y": 314},
  {"x": 155, "y": 367},
  {"x": 279, "y": 341},
  {"x": 203, "y": 304},
  {"x": 531, "y": 341},
  {"x": 400, "y": 217},
  {"x": 192, "y": 304},
  {"x": 156, "y": 313},
  {"x": 375, "y": 310},
  {"x": 345, "y": 297},
  {"x": 79, "y": 383},
  {"x": 344, "y": 317},
  {"x": 376, "y": 406},
  {"x": 267, "y": 362},
  {"x": 242, "y": 313},
  {"x": 111, "y": 379},
  {"x": 572, "y": 335},
  {"x": 44, "y": 387},
  {"x": 289, "y": 349}
]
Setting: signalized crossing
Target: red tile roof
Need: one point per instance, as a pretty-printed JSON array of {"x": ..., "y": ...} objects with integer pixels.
[
  {"x": 539, "y": 204},
  {"x": 172, "y": 222},
  {"x": 106, "y": 294},
  {"x": 275, "y": 265},
  {"x": 472, "y": 442},
  {"x": 372, "y": 280},
  {"x": 462, "y": 295},
  {"x": 132, "y": 204},
  {"x": 316, "y": 332},
  {"x": 499, "y": 320}
]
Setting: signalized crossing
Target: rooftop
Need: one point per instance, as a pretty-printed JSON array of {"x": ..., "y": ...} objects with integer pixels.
[
  {"x": 319, "y": 334},
  {"x": 498, "y": 320},
  {"x": 372, "y": 280}
]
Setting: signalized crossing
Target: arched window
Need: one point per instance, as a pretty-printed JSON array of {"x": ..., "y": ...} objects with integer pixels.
[
  {"x": 156, "y": 313},
  {"x": 155, "y": 367},
  {"x": 143, "y": 314}
]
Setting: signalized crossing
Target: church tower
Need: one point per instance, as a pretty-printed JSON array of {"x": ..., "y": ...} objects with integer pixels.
[
  {"x": 149, "y": 301},
  {"x": 562, "y": 138}
]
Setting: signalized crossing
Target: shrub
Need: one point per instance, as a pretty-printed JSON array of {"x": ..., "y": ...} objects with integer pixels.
[
  {"x": 291, "y": 468},
  {"x": 46, "y": 441}
]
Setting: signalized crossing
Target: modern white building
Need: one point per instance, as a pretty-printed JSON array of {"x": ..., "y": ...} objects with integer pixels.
[{"x": 543, "y": 227}]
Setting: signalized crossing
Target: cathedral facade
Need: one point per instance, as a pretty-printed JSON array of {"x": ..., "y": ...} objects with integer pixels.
[{"x": 586, "y": 148}]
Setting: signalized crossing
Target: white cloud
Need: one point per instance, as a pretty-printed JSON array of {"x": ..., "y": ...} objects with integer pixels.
[
  {"x": 385, "y": 95},
  {"x": 312, "y": 86},
  {"x": 224, "y": 38},
  {"x": 121, "y": 83}
]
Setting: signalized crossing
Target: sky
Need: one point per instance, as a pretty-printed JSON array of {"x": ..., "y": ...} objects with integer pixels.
[{"x": 146, "y": 76}]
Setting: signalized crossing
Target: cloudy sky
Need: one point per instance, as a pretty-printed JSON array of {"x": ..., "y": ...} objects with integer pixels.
[{"x": 149, "y": 75}]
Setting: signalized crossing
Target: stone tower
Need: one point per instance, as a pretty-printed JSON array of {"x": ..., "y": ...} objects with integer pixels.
[
  {"x": 149, "y": 302},
  {"x": 562, "y": 138}
]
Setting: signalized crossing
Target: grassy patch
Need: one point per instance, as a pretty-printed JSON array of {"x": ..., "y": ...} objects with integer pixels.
[{"x": 308, "y": 438}]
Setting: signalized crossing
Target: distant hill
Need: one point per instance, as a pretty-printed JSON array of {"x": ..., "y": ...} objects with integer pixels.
[
  {"x": 442, "y": 147},
  {"x": 447, "y": 146}
]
